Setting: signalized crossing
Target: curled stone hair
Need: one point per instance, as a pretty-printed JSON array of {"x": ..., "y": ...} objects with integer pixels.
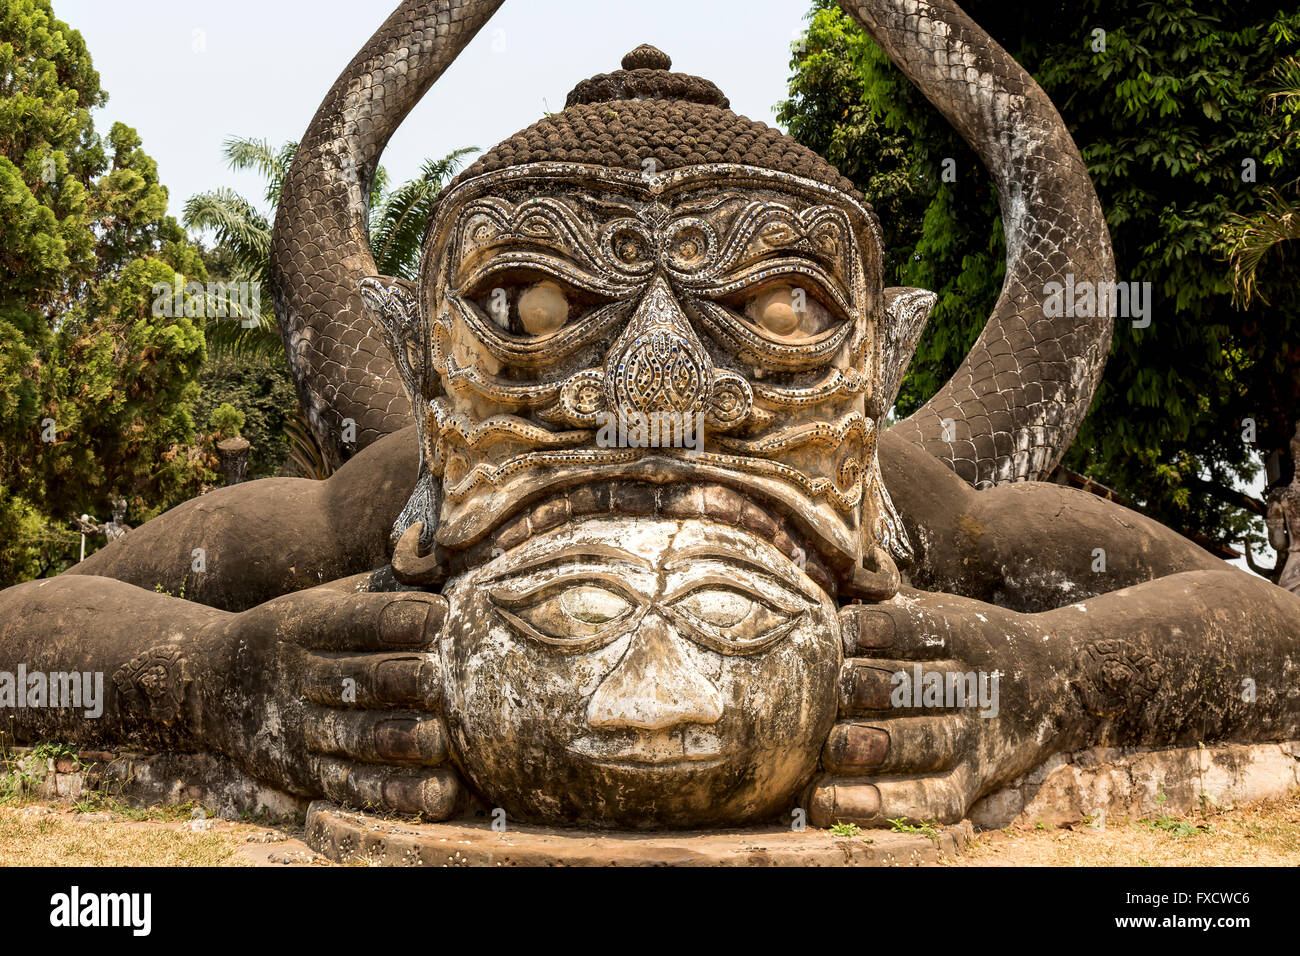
[{"x": 643, "y": 114}]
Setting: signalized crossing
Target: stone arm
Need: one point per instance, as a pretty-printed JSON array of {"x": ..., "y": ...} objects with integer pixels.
[
  {"x": 1199, "y": 656},
  {"x": 330, "y": 691},
  {"x": 1031, "y": 546},
  {"x": 262, "y": 539}
]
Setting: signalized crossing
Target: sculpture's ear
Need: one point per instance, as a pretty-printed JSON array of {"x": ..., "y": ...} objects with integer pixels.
[
  {"x": 906, "y": 312},
  {"x": 395, "y": 305}
]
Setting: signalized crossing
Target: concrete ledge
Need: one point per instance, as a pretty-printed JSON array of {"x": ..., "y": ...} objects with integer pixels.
[
  {"x": 344, "y": 836},
  {"x": 1130, "y": 781},
  {"x": 153, "y": 779}
]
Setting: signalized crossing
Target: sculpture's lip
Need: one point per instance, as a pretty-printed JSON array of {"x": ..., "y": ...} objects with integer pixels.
[
  {"x": 637, "y": 763},
  {"x": 464, "y": 523},
  {"x": 664, "y": 754}
]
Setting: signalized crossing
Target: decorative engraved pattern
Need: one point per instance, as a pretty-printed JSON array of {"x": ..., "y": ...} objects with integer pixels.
[
  {"x": 659, "y": 277},
  {"x": 657, "y": 364},
  {"x": 1116, "y": 678},
  {"x": 154, "y": 684}
]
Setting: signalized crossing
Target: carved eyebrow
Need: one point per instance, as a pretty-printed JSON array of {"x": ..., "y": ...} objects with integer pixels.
[
  {"x": 575, "y": 551},
  {"x": 712, "y": 552}
]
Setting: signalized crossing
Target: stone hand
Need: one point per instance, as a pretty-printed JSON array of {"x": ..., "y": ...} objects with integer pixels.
[
  {"x": 336, "y": 693},
  {"x": 940, "y": 698},
  {"x": 1195, "y": 657}
]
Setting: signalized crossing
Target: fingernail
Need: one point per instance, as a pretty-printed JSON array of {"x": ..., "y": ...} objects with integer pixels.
[
  {"x": 395, "y": 740},
  {"x": 866, "y": 688},
  {"x": 844, "y": 802},
  {"x": 875, "y": 631},
  {"x": 858, "y": 747},
  {"x": 398, "y": 681},
  {"x": 402, "y": 794},
  {"x": 403, "y": 622}
]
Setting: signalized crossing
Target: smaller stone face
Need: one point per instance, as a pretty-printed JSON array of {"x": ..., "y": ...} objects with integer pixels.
[{"x": 640, "y": 673}]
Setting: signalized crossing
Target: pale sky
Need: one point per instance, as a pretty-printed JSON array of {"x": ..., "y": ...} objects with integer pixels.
[{"x": 187, "y": 74}]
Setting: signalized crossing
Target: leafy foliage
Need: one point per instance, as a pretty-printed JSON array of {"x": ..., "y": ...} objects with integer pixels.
[
  {"x": 399, "y": 217},
  {"x": 94, "y": 387},
  {"x": 1164, "y": 117},
  {"x": 243, "y": 253},
  {"x": 263, "y": 392}
]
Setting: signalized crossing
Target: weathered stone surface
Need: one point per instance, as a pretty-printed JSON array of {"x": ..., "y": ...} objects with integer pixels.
[
  {"x": 1141, "y": 782},
  {"x": 572, "y": 612},
  {"x": 345, "y": 836}
]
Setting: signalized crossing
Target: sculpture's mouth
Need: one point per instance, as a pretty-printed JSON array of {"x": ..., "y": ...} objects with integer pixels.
[{"x": 661, "y": 751}]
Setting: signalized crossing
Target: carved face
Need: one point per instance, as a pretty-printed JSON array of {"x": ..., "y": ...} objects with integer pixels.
[
  {"x": 640, "y": 672},
  {"x": 738, "y": 306}
]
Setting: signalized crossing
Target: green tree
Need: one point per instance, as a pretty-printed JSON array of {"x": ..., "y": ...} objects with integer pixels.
[
  {"x": 262, "y": 390},
  {"x": 397, "y": 221},
  {"x": 247, "y": 365},
  {"x": 1166, "y": 117},
  {"x": 95, "y": 387}
]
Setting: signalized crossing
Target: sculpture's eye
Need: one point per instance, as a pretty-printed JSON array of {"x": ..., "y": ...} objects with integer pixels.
[
  {"x": 527, "y": 305},
  {"x": 732, "y": 621},
  {"x": 577, "y": 617},
  {"x": 788, "y": 310}
]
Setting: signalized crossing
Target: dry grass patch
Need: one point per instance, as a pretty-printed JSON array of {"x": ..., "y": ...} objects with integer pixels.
[
  {"x": 1259, "y": 834},
  {"x": 67, "y": 838}
]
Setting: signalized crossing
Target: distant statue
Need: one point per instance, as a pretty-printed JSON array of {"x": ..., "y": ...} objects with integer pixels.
[
  {"x": 117, "y": 528},
  {"x": 1283, "y": 521}
]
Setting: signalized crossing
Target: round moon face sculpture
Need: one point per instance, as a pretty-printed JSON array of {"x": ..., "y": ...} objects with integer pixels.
[{"x": 640, "y": 673}]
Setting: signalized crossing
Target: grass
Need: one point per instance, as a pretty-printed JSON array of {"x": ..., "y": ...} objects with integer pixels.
[
  {"x": 57, "y": 839},
  {"x": 931, "y": 829},
  {"x": 94, "y": 801},
  {"x": 1266, "y": 833}
]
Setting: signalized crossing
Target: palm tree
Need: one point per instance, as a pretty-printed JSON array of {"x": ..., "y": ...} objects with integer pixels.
[
  {"x": 397, "y": 222},
  {"x": 1249, "y": 239},
  {"x": 399, "y": 217}
]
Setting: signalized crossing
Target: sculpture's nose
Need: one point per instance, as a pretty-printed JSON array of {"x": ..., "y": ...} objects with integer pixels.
[
  {"x": 658, "y": 364},
  {"x": 655, "y": 686}
]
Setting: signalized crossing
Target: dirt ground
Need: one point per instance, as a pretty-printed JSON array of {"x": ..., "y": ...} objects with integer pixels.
[
  {"x": 51, "y": 834},
  {"x": 1266, "y": 833}
]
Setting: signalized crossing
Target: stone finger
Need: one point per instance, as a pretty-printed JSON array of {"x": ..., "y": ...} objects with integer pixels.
[
  {"x": 371, "y": 736},
  {"x": 432, "y": 794},
  {"x": 374, "y": 680},
  {"x": 891, "y": 630},
  {"x": 896, "y": 687},
  {"x": 879, "y": 802},
  {"x": 903, "y": 745},
  {"x": 362, "y": 621}
]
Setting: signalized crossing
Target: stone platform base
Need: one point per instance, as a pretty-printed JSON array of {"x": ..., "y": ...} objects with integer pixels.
[
  {"x": 344, "y": 836},
  {"x": 1141, "y": 782},
  {"x": 1132, "y": 782}
]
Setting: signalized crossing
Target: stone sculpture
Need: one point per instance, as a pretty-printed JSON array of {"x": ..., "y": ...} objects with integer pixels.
[
  {"x": 649, "y": 572},
  {"x": 1284, "y": 526}
]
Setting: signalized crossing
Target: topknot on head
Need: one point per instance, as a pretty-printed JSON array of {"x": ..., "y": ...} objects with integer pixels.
[
  {"x": 647, "y": 57},
  {"x": 647, "y": 75}
]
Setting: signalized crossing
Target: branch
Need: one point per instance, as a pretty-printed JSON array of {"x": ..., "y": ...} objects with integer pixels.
[{"x": 1238, "y": 499}]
